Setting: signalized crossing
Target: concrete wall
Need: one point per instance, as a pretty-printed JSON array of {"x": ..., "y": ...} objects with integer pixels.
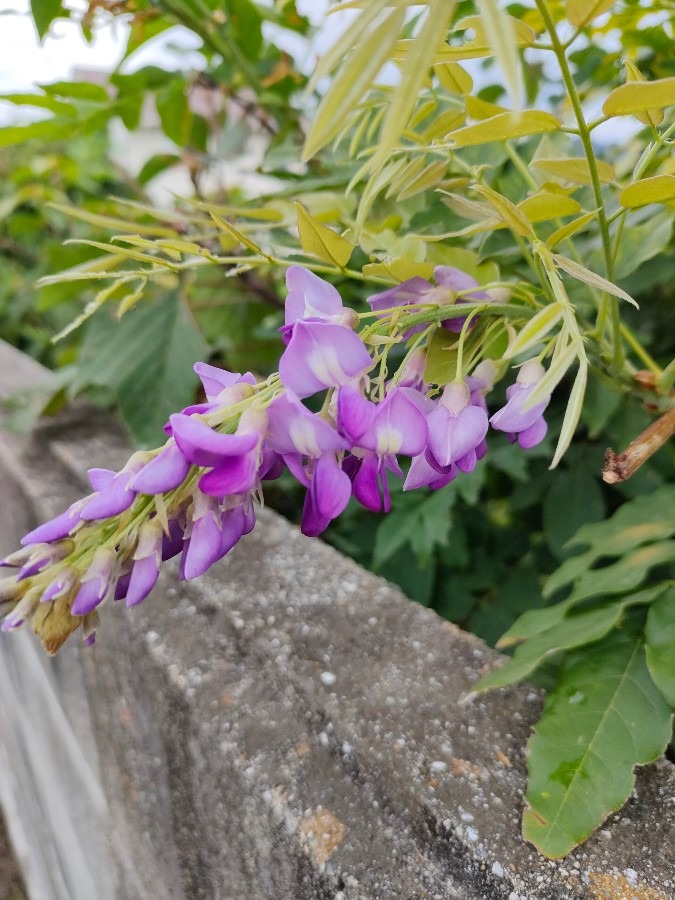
[{"x": 288, "y": 726}]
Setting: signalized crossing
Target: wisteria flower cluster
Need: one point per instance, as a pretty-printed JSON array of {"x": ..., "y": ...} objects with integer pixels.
[{"x": 195, "y": 497}]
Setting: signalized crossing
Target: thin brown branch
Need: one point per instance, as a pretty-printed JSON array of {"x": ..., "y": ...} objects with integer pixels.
[{"x": 620, "y": 467}]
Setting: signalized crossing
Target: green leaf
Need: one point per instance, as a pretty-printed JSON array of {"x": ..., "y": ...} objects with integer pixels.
[
  {"x": 660, "y": 644},
  {"x": 575, "y": 169},
  {"x": 573, "y": 410},
  {"x": 504, "y": 126},
  {"x": 246, "y": 23},
  {"x": 561, "y": 234},
  {"x": 547, "y": 205},
  {"x": 416, "y": 67},
  {"x": 648, "y": 518},
  {"x": 573, "y": 499},
  {"x": 146, "y": 359},
  {"x": 659, "y": 189},
  {"x": 501, "y": 36},
  {"x": 580, "y": 12},
  {"x": 112, "y": 222},
  {"x": 536, "y": 621},
  {"x": 576, "y": 270},
  {"x": 640, "y": 96},
  {"x": 454, "y": 78},
  {"x": 44, "y": 12},
  {"x": 370, "y": 49},
  {"x": 571, "y": 631},
  {"x": 318, "y": 240},
  {"x": 535, "y": 330},
  {"x": 77, "y": 90},
  {"x": 157, "y": 164},
  {"x": 625, "y": 575},
  {"x": 44, "y": 130},
  {"x": 41, "y": 101},
  {"x": 507, "y": 211},
  {"x": 605, "y": 716}
]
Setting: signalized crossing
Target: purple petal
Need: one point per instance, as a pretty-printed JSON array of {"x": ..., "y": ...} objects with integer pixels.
[
  {"x": 321, "y": 355},
  {"x": 355, "y": 414},
  {"x": 204, "y": 547},
  {"x": 404, "y": 294},
  {"x": 214, "y": 380},
  {"x": 203, "y": 446},
  {"x": 232, "y": 475},
  {"x": 234, "y": 524},
  {"x": 100, "y": 479},
  {"x": 272, "y": 465},
  {"x": 172, "y": 544},
  {"x": 421, "y": 474},
  {"x": 313, "y": 523},
  {"x": 456, "y": 280},
  {"x": 534, "y": 434},
  {"x": 330, "y": 486},
  {"x": 512, "y": 417},
  {"x": 143, "y": 578},
  {"x": 122, "y": 586},
  {"x": 399, "y": 427},
  {"x": 367, "y": 485},
  {"x": 90, "y": 595},
  {"x": 56, "y": 528},
  {"x": 309, "y": 296},
  {"x": 292, "y": 429},
  {"x": 452, "y": 436},
  {"x": 467, "y": 463},
  {"x": 164, "y": 473},
  {"x": 114, "y": 499}
]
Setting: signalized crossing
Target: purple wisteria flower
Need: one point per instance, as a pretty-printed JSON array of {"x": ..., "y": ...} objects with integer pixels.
[
  {"x": 449, "y": 282},
  {"x": 527, "y": 426},
  {"x": 456, "y": 429},
  {"x": 321, "y": 355},
  {"x": 457, "y": 281},
  {"x": 313, "y": 299},
  {"x": 379, "y": 432},
  {"x": 309, "y": 446},
  {"x": 407, "y": 293},
  {"x": 222, "y": 389}
]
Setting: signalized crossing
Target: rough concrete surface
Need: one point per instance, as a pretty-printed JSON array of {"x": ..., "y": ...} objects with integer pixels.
[{"x": 287, "y": 726}]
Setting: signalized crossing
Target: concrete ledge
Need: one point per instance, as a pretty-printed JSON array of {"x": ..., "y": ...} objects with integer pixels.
[{"x": 288, "y": 726}]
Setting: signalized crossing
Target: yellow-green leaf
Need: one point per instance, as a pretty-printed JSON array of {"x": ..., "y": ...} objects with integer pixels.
[
  {"x": 504, "y": 126},
  {"x": 443, "y": 124},
  {"x": 652, "y": 116},
  {"x": 507, "y": 211},
  {"x": 545, "y": 205},
  {"x": 659, "y": 189},
  {"x": 575, "y": 168},
  {"x": 572, "y": 413},
  {"x": 500, "y": 32},
  {"x": 238, "y": 235},
  {"x": 371, "y": 50},
  {"x": 576, "y": 270},
  {"x": 397, "y": 270},
  {"x": 571, "y": 228},
  {"x": 454, "y": 78},
  {"x": 420, "y": 59},
  {"x": 429, "y": 178},
  {"x": 535, "y": 330},
  {"x": 112, "y": 222},
  {"x": 581, "y": 12},
  {"x": 641, "y": 96},
  {"x": 318, "y": 240},
  {"x": 481, "y": 109}
]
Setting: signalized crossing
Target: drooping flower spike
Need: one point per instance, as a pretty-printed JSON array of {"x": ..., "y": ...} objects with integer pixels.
[{"x": 194, "y": 497}]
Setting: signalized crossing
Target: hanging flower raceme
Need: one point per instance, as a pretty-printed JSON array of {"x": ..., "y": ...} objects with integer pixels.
[{"x": 194, "y": 497}]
